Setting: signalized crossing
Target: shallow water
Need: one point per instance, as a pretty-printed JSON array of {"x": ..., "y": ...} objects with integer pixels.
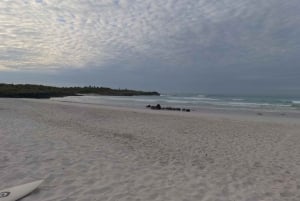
[{"x": 194, "y": 101}]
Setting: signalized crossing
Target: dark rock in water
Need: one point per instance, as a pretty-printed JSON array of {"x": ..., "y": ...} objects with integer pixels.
[
  {"x": 156, "y": 107},
  {"x": 159, "y": 107}
]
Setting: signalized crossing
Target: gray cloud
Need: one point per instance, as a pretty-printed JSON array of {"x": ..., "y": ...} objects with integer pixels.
[{"x": 205, "y": 42}]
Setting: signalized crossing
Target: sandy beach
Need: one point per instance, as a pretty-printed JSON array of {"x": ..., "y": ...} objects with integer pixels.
[{"x": 89, "y": 152}]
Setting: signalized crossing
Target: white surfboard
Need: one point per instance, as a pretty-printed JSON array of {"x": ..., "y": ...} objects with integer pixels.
[{"x": 17, "y": 192}]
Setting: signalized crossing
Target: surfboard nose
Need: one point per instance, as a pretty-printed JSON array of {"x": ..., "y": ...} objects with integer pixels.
[{"x": 17, "y": 192}]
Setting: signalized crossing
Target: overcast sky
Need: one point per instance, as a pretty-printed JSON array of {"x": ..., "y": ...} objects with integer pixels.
[{"x": 205, "y": 46}]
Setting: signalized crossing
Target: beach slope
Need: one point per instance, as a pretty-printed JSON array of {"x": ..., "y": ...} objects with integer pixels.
[{"x": 89, "y": 152}]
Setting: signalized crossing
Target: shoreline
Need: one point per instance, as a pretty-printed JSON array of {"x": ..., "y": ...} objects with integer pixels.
[
  {"x": 259, "y": 114},
  {"x": 92, "y": 152},
  {"x": 141, "y": 104}
]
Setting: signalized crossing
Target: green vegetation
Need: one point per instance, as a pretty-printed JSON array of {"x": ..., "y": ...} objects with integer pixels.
[{"x": 40, "y": 91}]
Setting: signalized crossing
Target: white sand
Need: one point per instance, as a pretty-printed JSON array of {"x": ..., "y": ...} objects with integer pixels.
[{"x": 87, "y": 152}]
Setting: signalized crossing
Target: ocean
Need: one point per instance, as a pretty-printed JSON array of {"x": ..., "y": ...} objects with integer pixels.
[{"x": 191, "y": 101}]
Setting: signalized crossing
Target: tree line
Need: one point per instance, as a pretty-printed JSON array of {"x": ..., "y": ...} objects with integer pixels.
[{"x": 42, "y": 91}]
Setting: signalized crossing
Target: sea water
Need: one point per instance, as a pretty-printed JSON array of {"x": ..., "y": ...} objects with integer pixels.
[{"x": 192, "y": 101}]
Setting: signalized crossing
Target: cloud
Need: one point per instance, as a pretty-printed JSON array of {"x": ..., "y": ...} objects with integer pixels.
[
  {"x": 75, "y": 33},
  {"x": 200, "y": 37}
]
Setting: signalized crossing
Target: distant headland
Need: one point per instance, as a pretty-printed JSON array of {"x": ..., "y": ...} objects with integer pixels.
[{"x": 42, "y": 91}]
